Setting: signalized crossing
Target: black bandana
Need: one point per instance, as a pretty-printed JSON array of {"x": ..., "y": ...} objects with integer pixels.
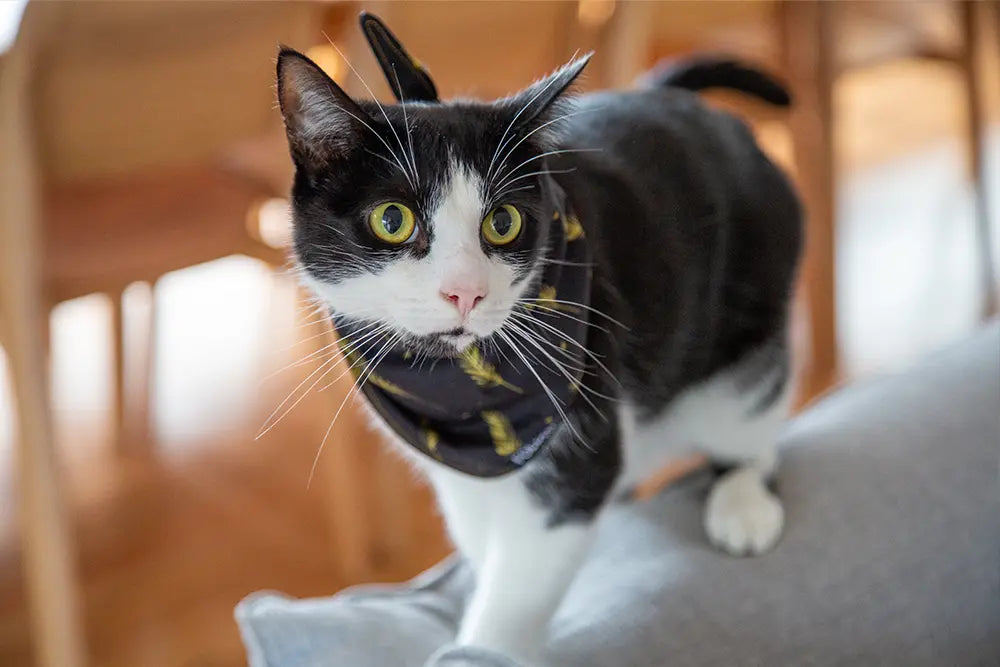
[{"x": 486, "y": 412}]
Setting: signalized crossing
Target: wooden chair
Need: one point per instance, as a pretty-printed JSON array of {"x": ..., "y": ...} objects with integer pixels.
[
  {"x": 813, "y": 56},
  {"x": 138, "y": 151},
  {"x": 125, "y": 131},
  {"x": 813, "y": 42}
]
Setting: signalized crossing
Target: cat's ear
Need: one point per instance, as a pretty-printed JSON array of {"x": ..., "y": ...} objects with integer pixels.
[
  {"x": 407, "y": 77},
  {"x": 321, "y": 120},
  {"x": 537, "y": 102}
]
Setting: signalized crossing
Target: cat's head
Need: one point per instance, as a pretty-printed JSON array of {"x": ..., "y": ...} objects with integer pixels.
[{"x": 429, "y": 218}]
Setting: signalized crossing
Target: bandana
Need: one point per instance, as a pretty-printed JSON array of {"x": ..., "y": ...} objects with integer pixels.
[{"x": 490, "y": 410}]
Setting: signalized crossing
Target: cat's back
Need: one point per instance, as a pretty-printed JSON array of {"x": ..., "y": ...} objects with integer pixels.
[
  {"x": 647, "y": 134},
  {"x": 682, "y": 206}
]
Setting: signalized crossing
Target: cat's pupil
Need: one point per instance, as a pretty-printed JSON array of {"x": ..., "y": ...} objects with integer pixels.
[
  {"x": 501, "y": 221},
  {"x": 392, "y": 219}
]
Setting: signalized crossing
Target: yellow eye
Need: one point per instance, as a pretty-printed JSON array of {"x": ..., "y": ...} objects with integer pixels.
[
  {"x": 392, "y": 222},
  {"x": 502, "y": 225}
]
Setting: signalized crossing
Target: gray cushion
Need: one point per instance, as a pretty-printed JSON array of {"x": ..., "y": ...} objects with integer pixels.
[{"x": 891, "y": 556}]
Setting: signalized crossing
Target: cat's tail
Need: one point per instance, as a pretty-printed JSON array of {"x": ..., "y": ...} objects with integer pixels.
[{"x": 705, "y": 72}]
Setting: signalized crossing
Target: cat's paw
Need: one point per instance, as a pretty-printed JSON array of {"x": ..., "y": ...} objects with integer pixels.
[{"x": 742, "y": 517}]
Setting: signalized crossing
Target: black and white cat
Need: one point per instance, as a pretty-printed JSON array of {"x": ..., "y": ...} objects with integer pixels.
[{"x": 444, "y": 236}]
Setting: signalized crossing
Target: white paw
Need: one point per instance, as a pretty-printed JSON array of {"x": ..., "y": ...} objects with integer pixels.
[{"x": 742, "y": 517}]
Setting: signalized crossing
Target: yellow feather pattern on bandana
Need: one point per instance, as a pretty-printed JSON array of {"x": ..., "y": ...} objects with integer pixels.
[
  {"x": 359, "y": 368},
  {"x": 546, "y": 294},
  {"x": 572, "y": 228},
  {"x": 431, "y": 439},
  {"x": 482, "y": 372},
  {"x": 547, "y": 301},
  {"x": 505, "y": 441},
  {"x": 385, "y": 385}
]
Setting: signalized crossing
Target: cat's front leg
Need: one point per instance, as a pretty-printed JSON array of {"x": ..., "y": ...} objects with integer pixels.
[
  {"x": 524, "y": 557},
  {"x": 519, "y": 586}
]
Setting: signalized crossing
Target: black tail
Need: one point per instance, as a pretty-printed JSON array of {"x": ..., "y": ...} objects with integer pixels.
[{"x": 708, "y": 72}]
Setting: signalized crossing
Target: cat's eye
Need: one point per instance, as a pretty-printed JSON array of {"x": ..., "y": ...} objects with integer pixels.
[
  {"x": 502, "y": 225},
  {"x": 392, "y": 222}
]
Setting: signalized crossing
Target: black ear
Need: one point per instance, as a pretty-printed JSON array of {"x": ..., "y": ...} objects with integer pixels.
[
  {"x": 321, "y": 120},
  {"x": 535, "y": 103},
  {"x": 407, "y": 77}
]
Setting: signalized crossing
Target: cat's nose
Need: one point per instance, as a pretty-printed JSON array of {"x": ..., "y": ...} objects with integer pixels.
[{"x": 464, "y": 298}]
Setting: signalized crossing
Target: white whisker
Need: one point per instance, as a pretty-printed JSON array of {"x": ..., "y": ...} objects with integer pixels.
[
  {"x": 356, "y": 388},
  {"x": 502, "y": 143},
  {"x": 523, "y": 330},
  {"x": 569, "y": 339},
  {"x": 316, "y": 354},
  {"x": 368, "y": 348},
  {"x": 581, "y": 385},
  {"x": 406, "y": 122},
  {"x": 540, "y": 127},
  {"x": 268, "y": 424},
  {"x": 565, "y": 373},
  {"x": 578, "y": 305},
  {"x": 555, "y": 152},
  {"x": 384, "y": 142},
  {"x": 508, "y": 192},
  {"x": 548, "y": 392},
  {"x": 500, "y": 188},
  {"x": 553, "y": 312},
  {"x": 563, "y": 262},
  {"x": 374, "y": 99}
]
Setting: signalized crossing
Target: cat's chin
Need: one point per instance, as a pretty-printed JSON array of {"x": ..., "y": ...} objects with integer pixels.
[
  {"x": 448, "y": 344},
  {"x": 459, "y": 342}
]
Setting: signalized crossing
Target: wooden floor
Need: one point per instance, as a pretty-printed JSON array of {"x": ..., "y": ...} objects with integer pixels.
[
  {"x": 168, "y": 544},
  {"x": 170, "y": 541}
]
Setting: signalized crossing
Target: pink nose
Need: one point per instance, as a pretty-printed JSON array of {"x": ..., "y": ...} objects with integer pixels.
[{"x": 464, "y": 298}]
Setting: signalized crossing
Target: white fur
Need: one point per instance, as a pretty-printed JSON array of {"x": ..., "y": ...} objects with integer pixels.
[
  {"x": 718, "y": 417},
  {"x": 741, "y": 515},
  {"x": 715, "y": 416},
  {"x": 407, "y": 292},
  {"x": 523, "y": 567}
]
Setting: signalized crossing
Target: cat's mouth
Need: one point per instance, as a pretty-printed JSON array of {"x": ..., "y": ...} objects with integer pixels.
[
  {"x": 444, "y": 344},
  {"x": 458, "y": 338}
]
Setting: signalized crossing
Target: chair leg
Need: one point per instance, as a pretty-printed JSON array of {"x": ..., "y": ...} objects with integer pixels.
[
  {"x": 132, "y": 393},
  {"x": 625, "y": 43},
  {"x": 143, "y": 416},
  {"x": 806, "y": 28},
  {"x": 119, "y": 390},
  {"x": 394, "y": 495},
  {"x": 971, "y": 68},
  {"x": 349, "y": 476},
  {"x": 47, "y": 544}
]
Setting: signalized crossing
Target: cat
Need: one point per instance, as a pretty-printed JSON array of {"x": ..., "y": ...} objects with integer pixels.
[{"x": 632, "y": 251}]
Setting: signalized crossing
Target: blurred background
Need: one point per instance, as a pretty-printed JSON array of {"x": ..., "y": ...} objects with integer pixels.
[{"x": 151, "y": 326}]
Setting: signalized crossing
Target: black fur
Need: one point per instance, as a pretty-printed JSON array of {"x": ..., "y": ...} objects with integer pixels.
[
  {"x": 695, "y": 229},
  {"x": 695, "y": 233}
]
